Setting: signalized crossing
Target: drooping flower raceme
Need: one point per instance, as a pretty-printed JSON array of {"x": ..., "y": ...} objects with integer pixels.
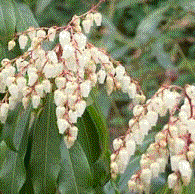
[{"x": 68, "y": 70}]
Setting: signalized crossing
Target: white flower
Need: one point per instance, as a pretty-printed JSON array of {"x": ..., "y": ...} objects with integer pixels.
[
  {"x": 13, "y": 90},
  {"x": 49, "y": 70},
  {"x": 114, "y": 167},
  {"x": 152, "y": 117},
  {"x": 110, "y": 85},
  {"x": 39, "y": 90},
  {"x": 190, "y": 91},
  {"x": 73, "y": 132},
  {"x": 73, "y": 116},
  {"x": 172, "y": 180},
  {"x": 25, "y": 101},
  {"x": 10, "y": 80},
  {"x": 137, "y": 110},
  {"x": 11, "y": 45},
  {"x": 36, "y": 101},
  {"x": 81, "y": 40},
  {"x": 132, "y": 90},
  {"x": 4, "y": 109},
  {"x": 162, "y": 162},
  {"x": 41, "y": 33},
  {"x": 80, "y": 108},
  {"x": 31, "y": 70},
  {"x": 52, "y": 56},
  {"x": 12, "y": 102},
  {"x": 32, "y": 34},
  {"x": 101, "y": 76},
  {"x": 85, "y": 88},
  {"x": 59, "y": 98},
  {"x": 32, "y": 79},
  {"x": 64, "y": 38},
  {"x": 21, "y": 82},
  {"x": 174, "y": 162},
  {"x": 123, "y": 159},
  {"x": 86, "y": 25},
  {"x": 68, "y": 51},
  {"x": 130, "y": 145},
  {"x": 46, "y": 86},
  {"x": 144, "y": 126},
  {"x": 51, "y": 34},
  {"x": 184, "y": 168},
  {"x": 23, "y": 39},
  {"x": 62, "y": 125},
  {"x": 126, "y": 83},
  {"x": 60, "y": 111},
  {"x": 60, "y": 82},
  {"x": 179, "y": 144},
  {"x": 117, "y": 143},
  {"x": 155, "y": 168},
  {"x": 97, "y": 18},
  {"x": 120, "y": 70},
  {"x": 146, "y": 176}
]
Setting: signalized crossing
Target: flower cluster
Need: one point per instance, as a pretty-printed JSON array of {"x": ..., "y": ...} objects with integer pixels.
[
  {"x": 68, "y": 70},
  {"x": 176, "y": 140}
]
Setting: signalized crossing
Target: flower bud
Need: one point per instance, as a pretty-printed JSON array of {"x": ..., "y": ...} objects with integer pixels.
[
  {"x": 4, "y": 109},
  {"x": 39, "y": 90},
  {"x": 60, "y": 82},
  {"x": 172, "y": 180},
  {"x": 110, "y": 85},
  {"x": 68, "y": 51},
  {"x": 51, "y": 34},
  {"x": 23, "y": 39},
  {"x": 97, "y": 18},
  {"x": 137, "y": 110},
  {"x": 117, "y": 143},
  {"x": 13, "y": 90},
  {"x": 86, "y": 25},
  {"x": 73, "y": 116},
  {"x": 41, "y": 33},
  {"x": 80, "y": 108},
  {"x": 64, "y": 38},
  {"x": 101, "y": 76},
  {"x": 81, "y": 40},
  {"x": 25, "y": 101},
  {"x": 32, "y": 79},
  {"x": 190, "y": 156},
  {"x": 146, "y": 176},
  {"x": 132, "y": 90},
  {"x": 120, "y": 70},
  {"x": 10, "y": 81},
  {"x": 11, "y": 45},
  {"x": 62, "y": 125},
  {"x": 21, "y": 82},
  {"x": 155, "y": 168},
  {"x": 36, "y": 101},
  {"x": 85, "y": 88},
  {"x": 52, "y": 56},
  {"x": 46, "y": 86},
  {"x": 73, "y": 132},
  {"x": 59, "y": 98}
]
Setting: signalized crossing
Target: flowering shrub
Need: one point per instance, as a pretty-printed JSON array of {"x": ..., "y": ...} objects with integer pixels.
[{"x": 48, "y": 122}]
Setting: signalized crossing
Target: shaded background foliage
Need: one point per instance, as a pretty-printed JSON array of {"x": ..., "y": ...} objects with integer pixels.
[{"x": 154, "y": 39}]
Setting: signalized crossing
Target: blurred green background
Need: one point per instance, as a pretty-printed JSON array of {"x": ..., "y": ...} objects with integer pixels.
[{"x": 153, "y": 39}]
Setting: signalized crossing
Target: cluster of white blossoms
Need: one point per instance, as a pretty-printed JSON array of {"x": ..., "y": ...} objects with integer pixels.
[
  {"x": 176, "y": 140},
  {"x": 69, "y": 71}
]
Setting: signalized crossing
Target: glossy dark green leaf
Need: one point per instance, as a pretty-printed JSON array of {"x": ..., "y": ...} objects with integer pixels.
[
  {"x": 13, "y": 173},
  {"x": 7, "y": 20},
  {"x": 41, "y": 5},
  {"x": 81, "y": 166},
  {"x": 3, "y": 152},
  {"x": 45, "y": 157},
  {"x": 67, "y": 180},
  {"x": 24, "y": 17},
  {"x": 13, "y": 118}
]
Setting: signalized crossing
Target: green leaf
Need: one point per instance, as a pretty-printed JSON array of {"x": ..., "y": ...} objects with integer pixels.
[
  {"x": 13, "y": 173},
  {"x": 3, "y": 152},
  {"x": 41, "y": 5},
  {"x": 7, "y": 20},
  {"x": 13, "y": 118},
  {"x": 67, "y": 180},
  {"x": 81, "y": 166},
  {"x": 24, "y": 17},
  {"x": 44, "y": 163}
]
